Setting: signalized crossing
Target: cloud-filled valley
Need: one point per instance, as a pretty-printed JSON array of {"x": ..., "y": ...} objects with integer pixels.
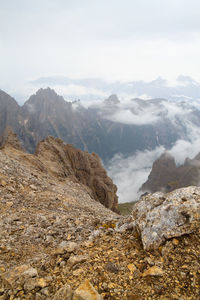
[{"x": 129, "y": 173}]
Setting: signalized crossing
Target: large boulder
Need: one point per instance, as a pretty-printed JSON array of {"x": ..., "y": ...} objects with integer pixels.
[{"x": 158, "y": 217}]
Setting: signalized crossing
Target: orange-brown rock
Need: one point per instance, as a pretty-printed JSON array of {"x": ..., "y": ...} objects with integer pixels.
[
  {"x": 9, "y": 138},
  {"x": 64, "y": 160}
]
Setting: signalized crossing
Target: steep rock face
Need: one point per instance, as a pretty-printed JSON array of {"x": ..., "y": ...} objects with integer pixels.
[
  {"x": 64, "y": 160},
  {"x": 166, "y": 176},
  {"x": 9, "y": 110},
  {"x": 163, "y": 172},
  {"x": 40, "y": 114}
]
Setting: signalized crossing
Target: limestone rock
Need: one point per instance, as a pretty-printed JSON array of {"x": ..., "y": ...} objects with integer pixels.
[
  {"x": 64, "y": 293},
  {"x": 86, "y": 292},
  {"x": 66, "y": 247},
  {"x": 31, "y": 283},
  {"x": 158, "y": 217},
  {"x": 76, "y": 259},
  {"x": 18, "y": 275}
]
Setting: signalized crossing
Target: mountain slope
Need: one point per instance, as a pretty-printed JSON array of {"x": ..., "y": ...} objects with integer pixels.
[{"x": 57, "y": 242}]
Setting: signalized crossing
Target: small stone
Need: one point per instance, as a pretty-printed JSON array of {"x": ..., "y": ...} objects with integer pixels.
[
  {"x": 11, "y": 189},
  {"x": 132, "y": 268},
  {"x": 76, "y": 259},
  {"x": 175, "y": 242},
  {"x": 41, "y": 282},
  {"x": 33, "y": 187},
  {"x": 66, "y": 247},
  {"x": 32, "y": 283},
  {"x": 45, "y": 291},
  {"x": 62, "y": 263},
  {"x": 153, "y": 271},
  {"x": 86, "y": 291},
  {"x": 64, "y": 292},
  {"x": 110, "y": 267},
  {"x": 49, "y": 238},
  {"x": 3, "y": 183},
  {"x": 2, "y": 269}
]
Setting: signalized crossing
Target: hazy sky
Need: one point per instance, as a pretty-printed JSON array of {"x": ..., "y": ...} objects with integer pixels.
[{"x": 113, "y": 39}]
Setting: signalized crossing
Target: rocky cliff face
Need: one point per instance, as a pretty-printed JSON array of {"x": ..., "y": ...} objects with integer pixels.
[
  {"x": 166, "y": 176},
  {"x": 64, "y": 160},
  {"x": 163, "y": 172},
  {"x": 57, "y": 242},
  {"x": 9, "y": 110}
]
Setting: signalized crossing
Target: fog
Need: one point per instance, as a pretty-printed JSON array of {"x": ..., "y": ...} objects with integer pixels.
[
  {"x": 129, "y": 173},
  {"x": 141, "y": 112}
]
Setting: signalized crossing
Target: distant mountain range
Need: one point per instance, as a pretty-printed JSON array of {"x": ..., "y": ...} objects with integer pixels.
[
  {"x": 183, "y": 88},
  {"x": 106, "y": 128}
]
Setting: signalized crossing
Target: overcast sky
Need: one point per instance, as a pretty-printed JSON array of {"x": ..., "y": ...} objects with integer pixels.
[{"x": 112, "y": 39}]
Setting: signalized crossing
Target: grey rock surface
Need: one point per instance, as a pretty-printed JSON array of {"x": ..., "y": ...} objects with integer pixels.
[{"x": 158, "y": 217}]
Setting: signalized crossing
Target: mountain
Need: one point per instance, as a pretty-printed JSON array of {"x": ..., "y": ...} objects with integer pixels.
[
  {"x": 166, "y": 176},
  {"x": 183, "y": 88},
  {"x": 57, "y": 242},
  {"x": 9, "y": 110},
  {"x": 107, "y": 128}
]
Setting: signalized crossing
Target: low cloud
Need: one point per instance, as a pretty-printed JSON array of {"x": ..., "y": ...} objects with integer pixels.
[
  {"x": 187, "y": 148},
  {"x": 127, "y": 117},
  {"x": 129, "y": 173},
  {"x": 141, "y": 112}
]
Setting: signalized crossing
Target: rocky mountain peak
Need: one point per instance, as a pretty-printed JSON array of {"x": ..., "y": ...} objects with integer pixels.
[
  {"x": 112, "y": 100},
  {"x": 166, "y": 176},
  {"x": 44, "y": 99},
  {"x": 167, "y": 160},
  {"x": 163, "y": 171},
  {"x": 46, "y": 92}
]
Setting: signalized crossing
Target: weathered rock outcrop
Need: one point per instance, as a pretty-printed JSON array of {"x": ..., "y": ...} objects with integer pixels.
[
  {"x": 158, "y": 217},
  {"x": 64, "y": 160},
  {"x": 10, "y": 139}
]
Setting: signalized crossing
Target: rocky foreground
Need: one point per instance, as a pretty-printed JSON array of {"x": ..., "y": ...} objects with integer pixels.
[{"x": 58, "y": 242}]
